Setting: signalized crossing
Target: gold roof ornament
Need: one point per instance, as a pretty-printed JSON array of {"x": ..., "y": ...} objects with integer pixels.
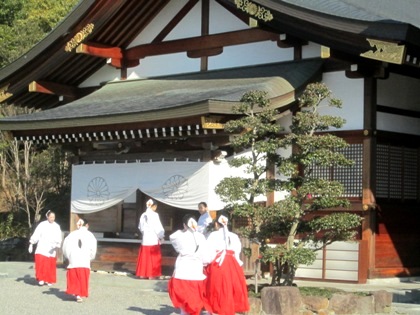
[
  {"x": 325, "y": 52},
  {"x": 385, "y": 51},
  {"x": 4, "y": 95},
  {"x": 255, "y": 10},
  {"x": 212, "y": 122},
  {"x": 79, "y": 37}
]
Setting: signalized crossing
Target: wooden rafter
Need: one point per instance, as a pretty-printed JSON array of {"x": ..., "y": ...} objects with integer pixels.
[
  {"x": 99, "y": 50},
  {"x": 58, "y": 89}
]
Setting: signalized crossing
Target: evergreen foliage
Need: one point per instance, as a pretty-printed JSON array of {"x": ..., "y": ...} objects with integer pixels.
[
  {"x": 23, "y": 23},
  {"x": 297, "y": 220}
]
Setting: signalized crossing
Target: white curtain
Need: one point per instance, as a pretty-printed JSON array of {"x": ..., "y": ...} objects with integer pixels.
[
  {"x": 181, "y": 184},
  {"x": 97, "y": 187}
]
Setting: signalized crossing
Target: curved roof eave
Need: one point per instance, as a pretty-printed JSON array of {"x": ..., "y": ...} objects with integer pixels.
[
  {"x": 173, "y": 97},
  {"x": 290, "y": 14}
]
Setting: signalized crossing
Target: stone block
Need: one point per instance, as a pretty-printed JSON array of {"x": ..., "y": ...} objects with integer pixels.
[
  {"x": 383, "y": 301},
  {"x": 365, "y": 304},
  {"x": 255, "y": 307},
  {"x": 306, "y": 312},
  {"x": 343, "y": 304},
  {"x": 281, "y": 300},
  {"x": 315, "y": 303}
]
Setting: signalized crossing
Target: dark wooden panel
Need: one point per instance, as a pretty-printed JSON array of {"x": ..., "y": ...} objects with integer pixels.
[
  {"x": 397, "y": 240},
  {"x": 122, "y": 257},
  {"x": 130, "y": 224},
  {"x": 106, "y": 220}
]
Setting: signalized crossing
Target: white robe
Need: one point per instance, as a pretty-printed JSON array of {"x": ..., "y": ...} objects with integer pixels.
[
  {"x": 151, "y": 228},
  {"x": 191, "y": 249},
  {"x": 80, "y": 257},
  {"x": 216, "y": 243},
  {"x": 48, "y": 238}
]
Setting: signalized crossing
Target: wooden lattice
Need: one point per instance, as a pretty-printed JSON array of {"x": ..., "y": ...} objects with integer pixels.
[
  {"x": 397, "y": 172},
  {"x": 351, "y": 176}
]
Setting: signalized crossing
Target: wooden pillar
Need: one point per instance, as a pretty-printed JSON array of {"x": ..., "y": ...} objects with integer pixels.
[
  {"x": 369, "y": 172},
  {"x": 74, "y": 217},
  {"x": 205, "y": 20},
  {"x": 271, "y": 174}
]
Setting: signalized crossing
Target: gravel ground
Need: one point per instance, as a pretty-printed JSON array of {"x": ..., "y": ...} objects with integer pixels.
[
  {"x": 114, "y": 293},
  {"x": 109, "y": 294}
]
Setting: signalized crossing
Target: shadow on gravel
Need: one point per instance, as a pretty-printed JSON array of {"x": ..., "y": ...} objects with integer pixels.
[
  {"x": 27, "y": 279},
  {"x": 60, "y": 294},
  {"x": 163, "y": 310},
  {"x": 161, "y": 286}
]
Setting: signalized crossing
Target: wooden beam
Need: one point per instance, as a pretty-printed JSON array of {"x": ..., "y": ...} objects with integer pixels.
[
  {"x": 58, "y": 89},
  {"x": 204, "y": 53},
  {"x": 398, "y": 111},
  {"x": 200, "y": 43},
  {"x": 98, "y": 50}
]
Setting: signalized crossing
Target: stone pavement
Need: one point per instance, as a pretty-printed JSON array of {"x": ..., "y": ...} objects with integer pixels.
[{"x": 113, "y": 293}]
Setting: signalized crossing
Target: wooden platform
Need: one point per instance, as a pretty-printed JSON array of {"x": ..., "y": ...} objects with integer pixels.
[{"x": 118, "y": 255}]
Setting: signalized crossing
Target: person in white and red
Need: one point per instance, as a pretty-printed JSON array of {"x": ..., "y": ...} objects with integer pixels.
[
  {"x": 186, "y": 287},
  {"x": 226, "y": 289},
  {"x": 149, "y": 261},
  {"x": 79, "y": 248},
  {"x": 47, "y": 237}
]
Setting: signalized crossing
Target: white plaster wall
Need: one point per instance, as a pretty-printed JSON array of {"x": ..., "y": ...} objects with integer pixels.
[
  {"x": 399, "y": 91},
  {"x": 164, "y": 65},
  {"x": 350, "y": 92},
  {"x": 105, "y": 74},
  {"x": 250, "y": 54},
  {"x": 403, "y": 93},
  {"x": 190, "y": 26},
  {"x": 220, "y": 21},
  {"x": 398, "y": 123}
]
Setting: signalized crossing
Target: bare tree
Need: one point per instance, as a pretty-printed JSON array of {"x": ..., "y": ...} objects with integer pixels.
[{"x": 31, "y": 175}]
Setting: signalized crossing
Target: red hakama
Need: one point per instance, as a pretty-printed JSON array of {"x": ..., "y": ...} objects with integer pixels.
[
  {"x": 45, "y": 268},
  {"x": 187, "y": 295},
  {"x": 78, "y": 281},
  {"x": 149, "y": 262},
  {"x": 227, "y": 292}
]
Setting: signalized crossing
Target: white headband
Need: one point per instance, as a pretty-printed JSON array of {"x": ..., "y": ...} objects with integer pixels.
[
  {"x": 223, "y": 220},
  {"x": 192, "y": 224},
  {"x": 80, "y": 223}
]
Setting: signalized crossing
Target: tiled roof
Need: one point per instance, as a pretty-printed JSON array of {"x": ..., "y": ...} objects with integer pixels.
[
  {"x": 174, "y": 96},
  {"x": 406, "y": 11}
]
